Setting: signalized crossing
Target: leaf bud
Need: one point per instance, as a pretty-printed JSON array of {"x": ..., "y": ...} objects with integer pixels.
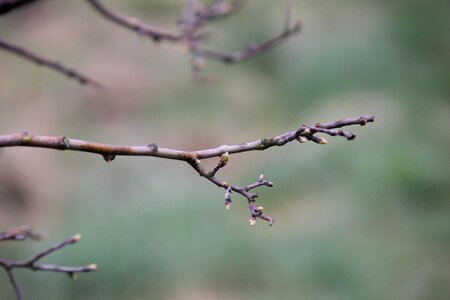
[
  {"x": 301, "y": 139},
  {"x": 224, "y": 158},
  {"x": 322, "y": 141}
]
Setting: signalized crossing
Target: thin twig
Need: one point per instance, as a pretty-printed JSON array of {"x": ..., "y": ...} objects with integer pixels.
[
  {"x": 56, "y": 66},
  {"x": 193, "y": 19},
  {"x": 20, "y": 234},
  {"x": 109, "y": 152},
  {"x": 13, "y": 282},
  {"x": 32, "y": 264},
  {"x": 287, "y": 14},
  {"x": 251, "y": 50},
  {"x": 7, "y": 6},
  {"x": 133, "y": 24},
  {"x": 25, "y": 139}
]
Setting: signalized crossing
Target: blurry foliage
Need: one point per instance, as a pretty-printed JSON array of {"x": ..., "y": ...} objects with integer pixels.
[{"x": 362, "y": 220}]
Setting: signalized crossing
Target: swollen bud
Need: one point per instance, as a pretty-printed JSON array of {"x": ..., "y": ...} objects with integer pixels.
[
  {"x": 109, "y": 157},
  {"x": 301, "y": 139},
  {"x": 306, "y": 131},
  {"x": 259, "y": 209},
  {"x": 261, "y": 177},
  {"x": 224, "y": 158},
  {"x": 76, "y": 238},
  {"x": 227, "y": 205},
  {"x": 91, "y": 267},
  {"x": 322, "y": 141}
]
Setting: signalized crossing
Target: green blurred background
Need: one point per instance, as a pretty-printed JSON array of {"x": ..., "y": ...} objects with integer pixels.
[{"x": 368, "y": 219}]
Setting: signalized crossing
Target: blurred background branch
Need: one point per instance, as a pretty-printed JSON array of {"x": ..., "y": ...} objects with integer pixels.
[
  {"x": 195, "y": 16},
  {"x": 8, "y": 5},
  {"x": 23, "y": 233},
  {"x": 56, "y": 66}
]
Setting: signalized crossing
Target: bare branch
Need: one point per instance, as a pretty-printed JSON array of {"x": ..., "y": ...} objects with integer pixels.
[
  {"x": 251, "y": 50},
  {"x": 133, "y": 23},
  {"x": 219, "y": 10},
  {"x": 62, "y": 143},
  {"x": 20, "y": 234},
  {"x": 109, "y": 152},
  {"x": 56, "y": 66},
  {"x": 32, "y": 264},
  {"x": 13, "y": 282},
  {"x": 195, "y": 16},
  {"x": 7, "y": 6}
]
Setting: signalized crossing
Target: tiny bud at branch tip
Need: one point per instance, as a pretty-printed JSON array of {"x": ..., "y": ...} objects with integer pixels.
[
  {"x": 323, "y": 141},
  {"x": 301, "y": 139},
  {"x": 91, "y": 267}
]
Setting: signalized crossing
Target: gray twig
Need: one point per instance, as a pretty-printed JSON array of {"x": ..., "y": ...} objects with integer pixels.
[{"x": 23, "y": 233}]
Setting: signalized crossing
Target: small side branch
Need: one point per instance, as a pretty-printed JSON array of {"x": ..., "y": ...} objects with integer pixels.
[
  {"x": 133, "y": 24},
  {"x": 251, "y": 50},
  {"x": 56, "y": 66},
  {"x": 7, "y": 6},
  {"x": 32, "y": 263},
  {"x": 20, "y": 234}
]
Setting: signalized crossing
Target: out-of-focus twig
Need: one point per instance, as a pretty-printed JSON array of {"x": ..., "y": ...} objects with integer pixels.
[
  {"x": 19, "y": 234},
  {"x": 7, "y": 6},
  {"x": 133, "y": 24},
  {"x": 56, "y": 66},
  {"x": 32, "y": 264},
  {"x": 194, "y": 17}
]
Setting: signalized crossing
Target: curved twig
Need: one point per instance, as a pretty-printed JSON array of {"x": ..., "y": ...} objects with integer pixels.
[
  {"x": 7, "y": 6},
  {"x": 251, "y": 50},
  {"x": 56, "y": 66},
  {"x": 133, "y": 23}
]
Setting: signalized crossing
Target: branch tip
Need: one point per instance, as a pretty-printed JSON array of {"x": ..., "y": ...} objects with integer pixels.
[
  {"x": 76, "y": 238},
  {"x": 91, "y": 267}
]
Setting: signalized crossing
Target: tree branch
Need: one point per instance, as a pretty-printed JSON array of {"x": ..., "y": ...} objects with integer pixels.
[
  {"x": 251, "y": 50},
  {"x": 195, "y": 16},
  {"x": 8, "y": 5},
  {"x": 19, "y": 234},
  {"x": 32, "y": 263},
  {"x": 133, "y": 24},
  {"x": 109, "y": 152},
  {"x": 56, "y": 66}
]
